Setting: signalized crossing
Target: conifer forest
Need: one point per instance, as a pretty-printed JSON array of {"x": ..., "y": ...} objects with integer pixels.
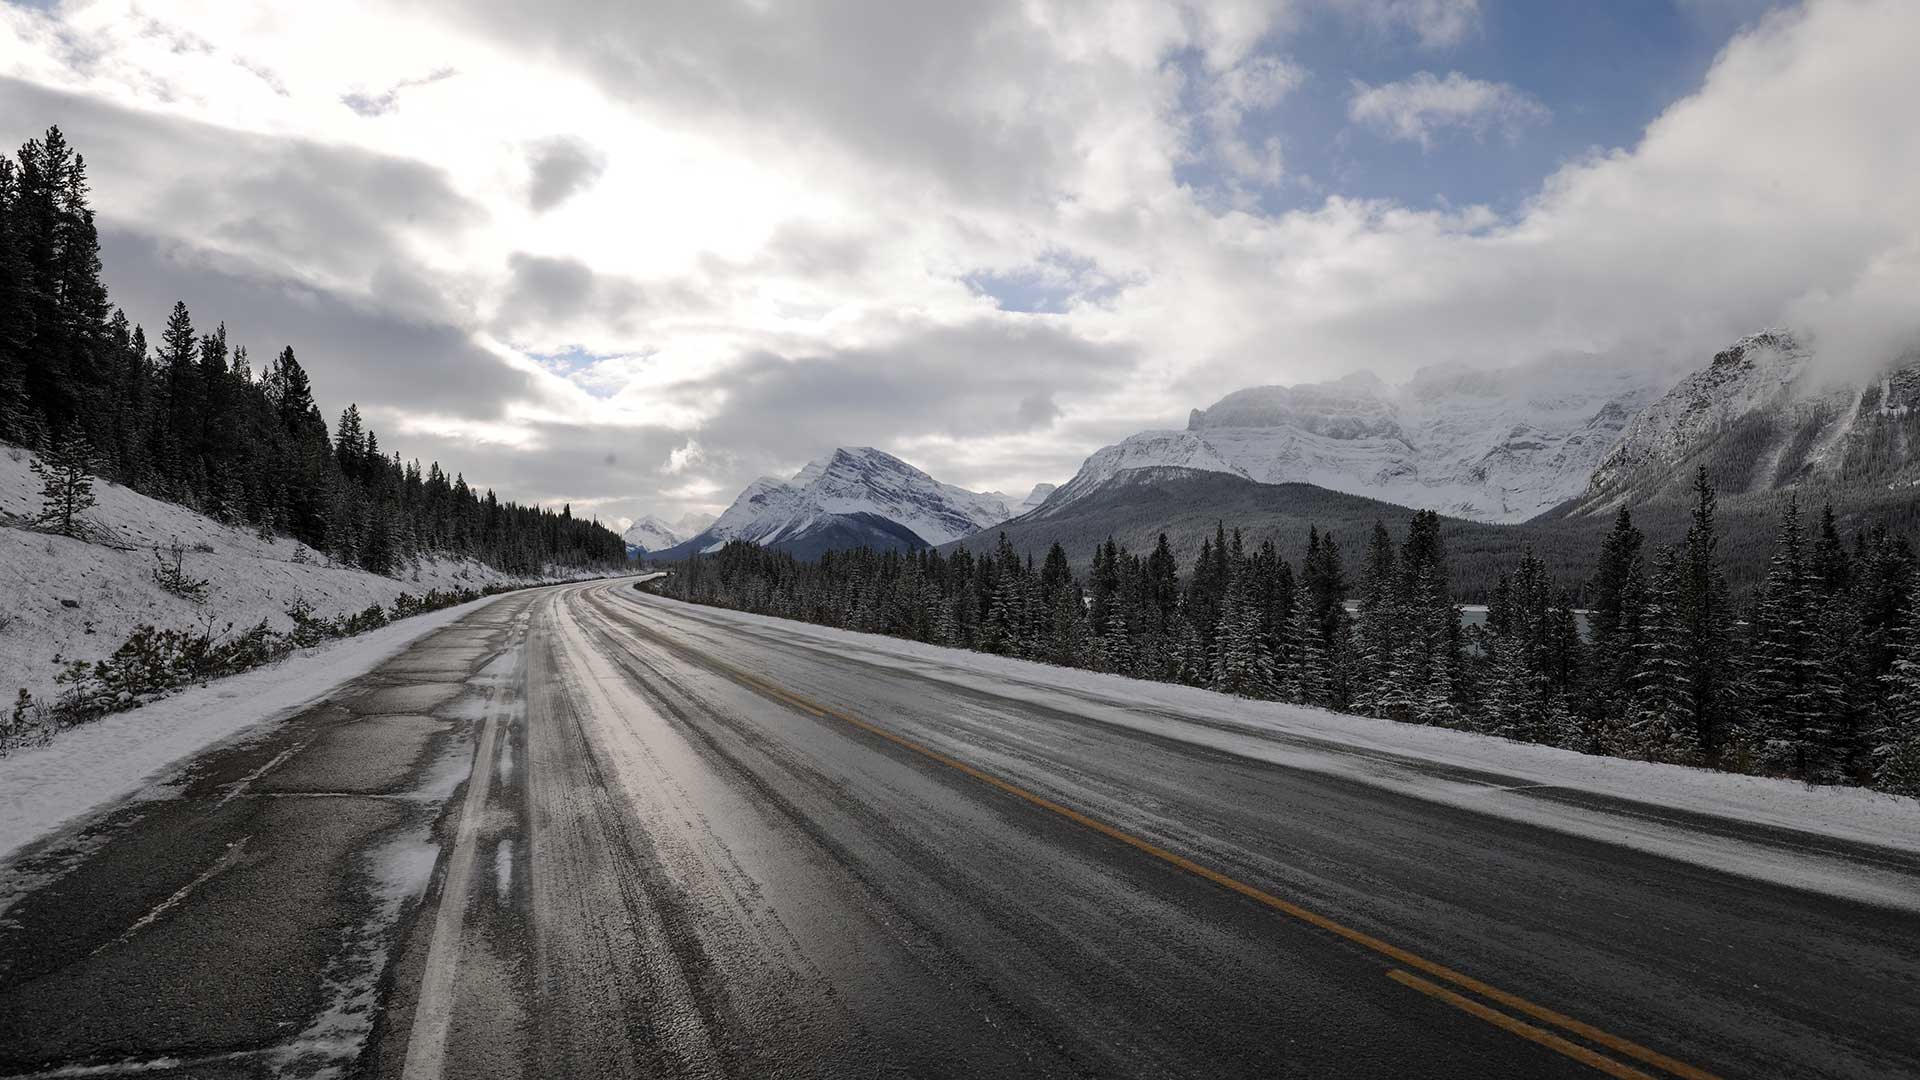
[
  {"x": 1816, "y": 676},
  {"x": 194, "y": 419}
]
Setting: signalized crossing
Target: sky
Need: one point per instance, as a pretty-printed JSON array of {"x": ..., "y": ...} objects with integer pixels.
[{"x": 631, "y": 256}]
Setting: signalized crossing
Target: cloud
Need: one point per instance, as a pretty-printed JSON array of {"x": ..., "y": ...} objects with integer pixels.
[
  {"x": 1435, "y": 24},
  {"x": 561, "y": 167},
  {"x": 371, "y": 104},
  {"x": 1256, "y": 84},
  {"x": 1418, "y": 108},
  {"x": 684, "y": 457},
  {"x": 987, "y": 237},
  {"x": 941, "y": 386}
]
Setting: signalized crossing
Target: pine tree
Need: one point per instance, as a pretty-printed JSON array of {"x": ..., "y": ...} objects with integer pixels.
[
  {"x": 1706, "y": 617},
  {"x": 1661, "y": 717},
  {"x": 1787, "y": 722},
  {"x": 66, "y": 484},
  {"x": 1309, "y": 682},
  {"x": 1618, "y": 591},
  {"x": 1438, "y": 628},
  {"x": 1896, "y": 744},
  {"x": 1380, "y": 684}
]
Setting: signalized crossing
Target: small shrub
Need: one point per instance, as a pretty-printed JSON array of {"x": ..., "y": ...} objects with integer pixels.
[
  {"x": 309, "y": 629},
  {"x": 29, "y": 723},
  {"x": 372, "y": 618},
  {"x": 170, "y": 575}
]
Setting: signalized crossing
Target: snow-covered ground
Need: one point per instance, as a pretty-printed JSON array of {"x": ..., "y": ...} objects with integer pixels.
[
  {"x": 1557, "y": 789},
  {"x": 70, "y": 600}
]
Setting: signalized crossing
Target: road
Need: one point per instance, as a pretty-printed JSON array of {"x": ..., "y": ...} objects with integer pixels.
[{"x": 585, "y": 832}]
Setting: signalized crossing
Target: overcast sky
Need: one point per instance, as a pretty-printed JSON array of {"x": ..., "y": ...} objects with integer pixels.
[{"x": 632, "y": 255}]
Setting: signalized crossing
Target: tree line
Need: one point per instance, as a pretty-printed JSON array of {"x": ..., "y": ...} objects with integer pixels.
[
  {"x": 194, "y": 422},
  {"x": 1816, "y": 677}
]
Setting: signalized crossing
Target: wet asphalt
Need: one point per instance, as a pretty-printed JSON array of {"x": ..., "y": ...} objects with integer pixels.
[{"x": 585, "y": 832}]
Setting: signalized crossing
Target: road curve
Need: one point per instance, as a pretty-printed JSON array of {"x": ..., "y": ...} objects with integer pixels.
[{"x": 587, "y": 832}]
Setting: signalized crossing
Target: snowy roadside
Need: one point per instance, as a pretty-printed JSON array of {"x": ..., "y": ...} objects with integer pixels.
[
  {"x": 123, "y": 754},
  {"x": 1636, "y": 804}
]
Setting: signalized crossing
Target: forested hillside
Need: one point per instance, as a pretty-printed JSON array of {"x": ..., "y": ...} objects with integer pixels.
[
  {"x": 192, "y": 419},
  {"x": 1817, "y": 677}
]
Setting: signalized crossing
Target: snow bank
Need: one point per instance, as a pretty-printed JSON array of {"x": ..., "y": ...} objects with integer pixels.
[
  {"x": 70, "y": 600},
  {"x": 122, "y": 754},
  {"x": 1712, "y": 819}
]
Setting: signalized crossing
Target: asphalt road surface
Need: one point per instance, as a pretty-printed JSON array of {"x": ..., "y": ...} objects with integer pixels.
[{"x": 587, "y": 833}]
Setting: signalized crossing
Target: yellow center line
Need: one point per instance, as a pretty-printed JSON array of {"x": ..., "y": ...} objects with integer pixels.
[
  {"x": 1526, "y": 1031},
  {"x": 1394, "y": 952}
]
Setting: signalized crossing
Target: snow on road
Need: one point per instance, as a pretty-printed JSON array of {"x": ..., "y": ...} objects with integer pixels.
[{"x": 125, "y": 753}]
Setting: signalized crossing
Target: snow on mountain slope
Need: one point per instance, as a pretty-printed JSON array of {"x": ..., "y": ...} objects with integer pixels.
[
  {"x": 1147, "y": 450},
  {"x": 650, "y": 534},
  {"x": 691, "y": 522},
  {"x": 1758, "y": 372},
  {"x": 1497, "y": 446},
  {"x": 1760, "y": 418},
  {"x": 850, "y": 489}
]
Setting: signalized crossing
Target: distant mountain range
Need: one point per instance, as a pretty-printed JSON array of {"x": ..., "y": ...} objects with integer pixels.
[
  {"x": 650, "y": 534},
  {"x": 1552, "y": 445},
  {"x": 1498, "y": 446},
  {"x": 853, "y": 497}
]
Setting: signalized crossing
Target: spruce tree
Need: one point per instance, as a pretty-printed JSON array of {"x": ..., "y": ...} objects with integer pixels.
[
  {"x": 1661, "y": 724},
  {"x": 1380, "y": 686},
  {"x": 1308, "y": 682},
  {"x": 1787, "y": 721},
  {"x": 66, "y": 485},
  {"x": 1706, "y": 617},
  {"x": 1618, "y": 591},
  {"x": 1896, "y": 743}
]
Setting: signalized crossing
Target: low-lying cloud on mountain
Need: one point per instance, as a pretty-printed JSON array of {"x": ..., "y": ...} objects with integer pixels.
[{"x": 990, "y": 238}]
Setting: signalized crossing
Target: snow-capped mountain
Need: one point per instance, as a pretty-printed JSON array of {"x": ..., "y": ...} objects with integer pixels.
[
  {"x": 1758, "y": 372},
  {"x": 1039, "y": 494},
  {"x": 691, "y": 522},
  {"x": 853, "y": 496},
  {"x": 1020, "y": 506},
  {"x": 1497, "y": 446},
  {"x": 650, "y": 534},
  {"x": 1760, "y": 419}
]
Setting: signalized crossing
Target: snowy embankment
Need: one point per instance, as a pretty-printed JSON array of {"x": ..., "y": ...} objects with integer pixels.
[
  {"x": 118, "y": 755},
  {"x": 71, "y": 600},
  {"x": 1773, "y": 830}
]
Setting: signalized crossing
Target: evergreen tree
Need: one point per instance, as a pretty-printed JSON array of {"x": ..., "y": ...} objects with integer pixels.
[
  {"x": 1614, "y": 626},
  {"x": 1896, "y": 744},
  {"x": 1309, "y": 680},
  {"x": 66, "y": 484},
  {"x": 1788, "y": 716},
  {"x": 1380, "y": 685},
  {"x": 1662, "y": 722},
  {"x": 1706, "y": 617}
]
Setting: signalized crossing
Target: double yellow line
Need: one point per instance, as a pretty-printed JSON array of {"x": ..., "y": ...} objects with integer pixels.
[{"x": 1531, "y": 1032}]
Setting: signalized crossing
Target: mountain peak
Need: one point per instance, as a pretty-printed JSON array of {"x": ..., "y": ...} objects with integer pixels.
[{"x": 855, "y": 494}]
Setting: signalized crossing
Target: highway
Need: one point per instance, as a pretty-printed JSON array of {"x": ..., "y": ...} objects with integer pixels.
[{"x": 587, "y": 832}]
